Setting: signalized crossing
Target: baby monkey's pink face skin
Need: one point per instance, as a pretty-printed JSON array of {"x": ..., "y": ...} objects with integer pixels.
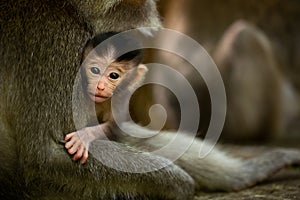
[{"x": 101, "y": 81}]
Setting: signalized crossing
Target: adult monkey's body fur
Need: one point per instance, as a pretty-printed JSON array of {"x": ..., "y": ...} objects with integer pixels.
[{"x": 40, "y": 50}]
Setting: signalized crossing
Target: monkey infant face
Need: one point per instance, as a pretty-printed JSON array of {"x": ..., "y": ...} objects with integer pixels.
[{"x": 100, "y": 81}]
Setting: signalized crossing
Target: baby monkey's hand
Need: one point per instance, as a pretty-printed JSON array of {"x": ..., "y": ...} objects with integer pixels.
[{"x": 77, "y": 143}]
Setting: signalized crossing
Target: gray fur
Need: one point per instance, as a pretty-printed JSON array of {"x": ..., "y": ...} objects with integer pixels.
[
  {"x": 43, "y": 41},
  {"x": 218, "y": 170}
]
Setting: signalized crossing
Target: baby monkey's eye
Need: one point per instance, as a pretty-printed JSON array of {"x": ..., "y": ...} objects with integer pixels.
[
  {"x": 95, "y": 70},
  {"x": 114, "y": 75}
]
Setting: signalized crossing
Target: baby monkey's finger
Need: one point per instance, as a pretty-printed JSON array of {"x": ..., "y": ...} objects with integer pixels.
[
  {"x": 75, "y": 147},
  {"x": 70, "y": 135},
  {"x": 70, "y": 143},
  {"x": 79, "y": 153},
  {"x": 85, "y": 156}
]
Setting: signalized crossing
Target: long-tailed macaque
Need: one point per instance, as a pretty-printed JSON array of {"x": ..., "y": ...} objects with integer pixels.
[
  {"x": 254, "y": 85},
  {"x": 260, "y": 100},
  {"x": 99, "y": 84},
  {"x": 42, "y": 39}
]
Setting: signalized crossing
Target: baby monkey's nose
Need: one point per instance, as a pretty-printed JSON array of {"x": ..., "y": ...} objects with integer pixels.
[{"x": 101, "y": 85}]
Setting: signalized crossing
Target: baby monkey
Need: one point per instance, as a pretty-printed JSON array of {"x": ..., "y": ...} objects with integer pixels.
[{"x": 100, "y": 83}]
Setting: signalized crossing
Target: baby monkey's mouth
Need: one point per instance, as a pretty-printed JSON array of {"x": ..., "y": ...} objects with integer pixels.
[
  {"x": 101, "y": 96},
  {"x": 98, "y": 98}
]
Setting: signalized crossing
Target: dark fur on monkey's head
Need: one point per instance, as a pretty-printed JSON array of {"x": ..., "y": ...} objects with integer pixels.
[{"x": 126, "y": 41}]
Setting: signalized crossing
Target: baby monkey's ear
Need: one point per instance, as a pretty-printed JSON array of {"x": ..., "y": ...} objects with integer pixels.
[
  {"x": 142, "y": 70},
  {"x": 132, "y": 80},
  {"x": 137, "y": 77}
]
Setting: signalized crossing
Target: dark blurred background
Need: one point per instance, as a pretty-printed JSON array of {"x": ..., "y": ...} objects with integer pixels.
[
  {"x": 269, "y": 77},
  {"x": 206, "y": 21}
]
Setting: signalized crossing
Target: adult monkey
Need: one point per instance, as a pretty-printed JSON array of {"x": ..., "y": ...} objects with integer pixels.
[{"x": 42, "y": 39}]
